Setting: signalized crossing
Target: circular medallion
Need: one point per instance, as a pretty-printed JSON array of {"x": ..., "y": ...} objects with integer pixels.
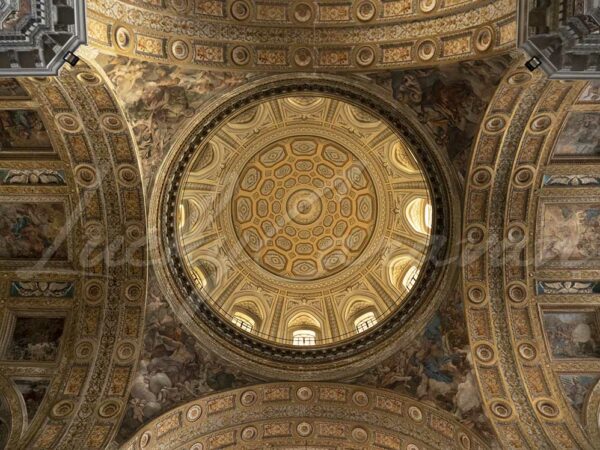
[
  {"x": 303, "y": 57},
  {"x": 304, "y": 393},
  {"x": 249, "y": 433},
  {"x": 360, "y": 398},
  {"x": 359, "y": 434},
  {"x": 194, "y": 413},
  {"x": 123, "y": 37},
  {"x": 180, "y": 49},
  {"x": 248, "y": 398},
  {"x": 426, "y": 50},
  {"x": 483, "y": 39},
  {"x": 365, "y": 11},
  {"x": 304, "y": 429}
]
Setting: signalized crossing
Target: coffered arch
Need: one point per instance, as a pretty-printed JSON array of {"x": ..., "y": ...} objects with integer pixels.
[
  {"x": 532, "y": 309},
  {"x": 296, "y": 415},
  {"x": 319, "y": 35},
  {"x": 73, "y": 260}
]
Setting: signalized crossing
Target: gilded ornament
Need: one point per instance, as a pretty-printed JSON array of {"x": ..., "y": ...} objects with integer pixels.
[
  {"x": 134, "y": 232},
  {"x": 303, "y": 57},
  {"x": 109, "y": 408},
  {"x": 303, "y": 12},
  {"x": 125, "y": 351},
  {"x": 426, "y": 50},
  {"x": 248, "y": 398},
  {"x": 541, "y": 123},
  {"x": 427, "y": 5},
  {"x": 527, "y": 351},
  {"x": 515, "y": 234},
  {"x": 501, "y": 409},
  {"x": 304, "y": 393},
  {"x": 483, "y": 39},
  {"x": 179, "y": 5},
  {"x": 127, "y": 175},
  {"x": 240, "y": 10},
  {"x": 474, "y": 235},
  {"x": 365, "y": 56},
  {"x": 62, "y": 409},
  {"x": 519, "y": 78},
  {"x": 84, "y": 350},
  {"x": 180, "y": 49},
  {"x": 112, "y": 122},
  {"x": 85, "y": 175},
  {"x": 517, "y": 292},
  {"x": 415, "y": 413},
  {"x": 365, "y": 11},
  {"x": 193, "y": 413},
  {"x": 465, "y": 441},
  {"x": 133, "y": 292},
  {"x": 359, "y": 434},
  {"x": 523, "y": 176},
  {"x": 240, "y": 55},
  {"x": 123, "y": 38},
  {"x": 304, "y": 429},
  {"x": 89, "y": 78},
  {"x": 68, "y": 122},
  {"x": 145, "y": 439},
  {"x": 360, "y": 398},
  {"x": 484, "y": 353},
  {"x": 481, "y": 177},
  {"x": 495, "y": 124},
  {"x": 476, "y": 294},
  {"x": 547, "y": 408},
  {"x": 249, "y": 433}
]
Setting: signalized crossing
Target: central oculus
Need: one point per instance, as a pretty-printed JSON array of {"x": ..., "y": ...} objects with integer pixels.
[{"x": 304, "y": 208}]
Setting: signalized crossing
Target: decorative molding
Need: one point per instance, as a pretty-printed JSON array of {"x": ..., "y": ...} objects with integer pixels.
[
  {"x": 301, "y": 414},
  {"x": 522, "y": 393},
  {"x": 269, "y": 37}
]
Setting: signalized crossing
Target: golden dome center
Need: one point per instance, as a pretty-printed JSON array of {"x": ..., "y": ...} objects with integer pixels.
[{"x": 304, "y": 208}]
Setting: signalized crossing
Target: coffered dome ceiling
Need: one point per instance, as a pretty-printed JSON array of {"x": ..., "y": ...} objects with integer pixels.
[
  {"x": 295, "y": 212},
  {"x": 296, "y": 216}
]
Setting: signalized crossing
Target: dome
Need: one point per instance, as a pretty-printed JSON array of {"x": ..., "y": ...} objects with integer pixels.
[{"x": 289, "y": 221}]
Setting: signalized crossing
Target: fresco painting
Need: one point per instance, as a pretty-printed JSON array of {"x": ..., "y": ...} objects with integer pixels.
[
  {"x": 437, "y": 368},
  {"x": 579, "y": 136},
  {"x": 174, "y": 368},
  {"x": 591, "y": 93},
  {"x": 32, "y": 230},
  {"x": 570, "y": 231},
  {"x": 577, "y": 388},
  {"x": 572, "y": 334},
  {"x": 23, "y": 131},
  {"x": 450, "y": 100},
  {"x": 33, "y": 392},
  {"x": 35, "y": 339},
  {"x": 159, "y": 99}
]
